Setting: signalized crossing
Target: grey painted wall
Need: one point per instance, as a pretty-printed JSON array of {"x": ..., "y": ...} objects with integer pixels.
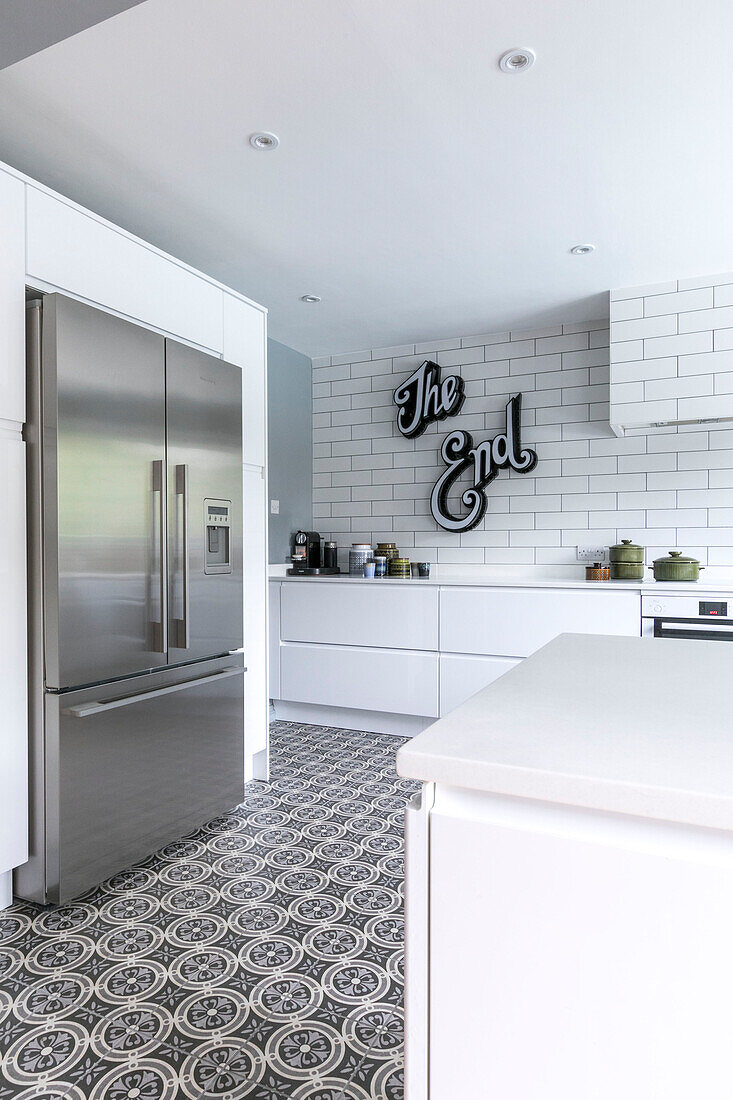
[
  {"x": 290, "y": 444},
  {"x": 29, "y": 26}
]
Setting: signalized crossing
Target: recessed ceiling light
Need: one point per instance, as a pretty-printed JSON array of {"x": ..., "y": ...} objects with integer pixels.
[
  {"x": 517, "y": 60},
  {"x": 310, "y": 298},
  {"x": 264, "y": 140},
  {"x": 582, "y": 249}
]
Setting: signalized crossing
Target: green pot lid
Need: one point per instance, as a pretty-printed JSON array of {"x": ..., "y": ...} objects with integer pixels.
[
  {"x": 626, "y": 544},
  {"x": 676, "y": 556}
]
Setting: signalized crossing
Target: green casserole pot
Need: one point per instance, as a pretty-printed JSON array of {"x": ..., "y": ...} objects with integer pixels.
[
  {"x": 626, "y": 551},
  {"x": 676, "y": 567}
]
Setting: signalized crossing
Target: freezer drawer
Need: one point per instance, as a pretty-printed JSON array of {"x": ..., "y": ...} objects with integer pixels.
[{"x": 131, "y": 767}]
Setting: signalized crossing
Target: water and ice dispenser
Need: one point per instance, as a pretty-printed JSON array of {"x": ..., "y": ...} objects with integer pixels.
[{"x": 218, "y": 542}]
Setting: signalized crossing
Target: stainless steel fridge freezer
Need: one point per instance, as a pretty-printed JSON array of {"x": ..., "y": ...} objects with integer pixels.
[{"x": 135, "y": 593}]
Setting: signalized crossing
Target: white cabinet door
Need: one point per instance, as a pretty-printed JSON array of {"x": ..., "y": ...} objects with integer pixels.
[
  {"x": 13, "y": 672},
  {"x": 417, "y": 942},
  {"x": 245, "y": 345},
  {"x": 91, "y": 259},
  {"x": 576, "y": 954},
  {"x": 382, "y": 615},
  {"x": 256, "y": 697},
  {"x": 12, "y": 298},
  {"x": 514, "y": 622},
  {"x": 461, "y": 677},
  {"x": 274, "y": 632},
  {"x": 365, "y": 679}
]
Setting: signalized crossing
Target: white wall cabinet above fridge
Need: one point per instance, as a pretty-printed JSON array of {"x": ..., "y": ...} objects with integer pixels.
[{"x": 78, "y": 253}]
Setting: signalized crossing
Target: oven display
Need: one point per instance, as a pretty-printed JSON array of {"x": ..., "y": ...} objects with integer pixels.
[{"x": 712, "y": 608}]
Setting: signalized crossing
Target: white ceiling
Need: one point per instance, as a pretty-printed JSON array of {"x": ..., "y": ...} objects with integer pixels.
[{"x": 420, "y": 191}]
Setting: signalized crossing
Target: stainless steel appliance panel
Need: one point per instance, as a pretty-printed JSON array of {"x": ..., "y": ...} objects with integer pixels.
[
  {"x": 103, "y": 442},
  {"x": 134, "y": 765},
  {"x": 204, "y": 438}
]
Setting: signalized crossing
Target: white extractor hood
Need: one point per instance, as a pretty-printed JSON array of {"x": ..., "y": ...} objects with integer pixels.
[{"x": 671, "y": 353}]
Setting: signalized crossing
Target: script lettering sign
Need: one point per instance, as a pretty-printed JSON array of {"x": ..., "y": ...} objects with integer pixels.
[
  {"x": 425, "y": 397},
  {"x": 485, "y": 460}
]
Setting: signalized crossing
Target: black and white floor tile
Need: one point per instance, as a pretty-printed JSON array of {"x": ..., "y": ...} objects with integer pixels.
[{"x": 259, "y": 957}]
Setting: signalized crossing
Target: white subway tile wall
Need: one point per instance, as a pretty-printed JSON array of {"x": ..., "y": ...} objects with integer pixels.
[
  {"x": 664, "y": 488},
  {"x": 670, "y": 357}
]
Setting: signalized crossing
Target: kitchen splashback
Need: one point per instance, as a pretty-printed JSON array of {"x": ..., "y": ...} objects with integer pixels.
[{"x": 663, "y": 488}]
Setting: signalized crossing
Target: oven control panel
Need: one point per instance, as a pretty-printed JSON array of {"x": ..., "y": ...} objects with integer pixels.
[
  {"x": 717, "y": 608},
  {"x": 685, "y": 607}
]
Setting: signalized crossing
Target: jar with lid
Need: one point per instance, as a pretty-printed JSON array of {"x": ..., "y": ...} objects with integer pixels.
[
  {"x": 330, "y": 555},
  {"x": 387, "y": 550},
  {"x": 359, "y": 554}
]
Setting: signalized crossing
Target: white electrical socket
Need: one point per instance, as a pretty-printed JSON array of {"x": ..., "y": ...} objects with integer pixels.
[
  {"x": 274, "y": 507},
  {"x": 592, "y": 553}
]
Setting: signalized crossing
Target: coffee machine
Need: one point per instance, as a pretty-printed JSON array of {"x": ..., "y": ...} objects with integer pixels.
[{"x": 306, "y": 556}]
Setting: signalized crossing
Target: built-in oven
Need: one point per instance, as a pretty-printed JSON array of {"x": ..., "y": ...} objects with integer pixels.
[{"x": 708, "y": 618}]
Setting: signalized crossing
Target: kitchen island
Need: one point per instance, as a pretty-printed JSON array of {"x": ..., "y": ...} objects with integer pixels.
[{"x": 570, "y": 879}]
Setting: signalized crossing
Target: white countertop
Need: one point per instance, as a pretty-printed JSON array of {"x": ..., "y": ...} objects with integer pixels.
[
  {"x": 719, "y": 581},
  {"x": 630, "y": 725}
]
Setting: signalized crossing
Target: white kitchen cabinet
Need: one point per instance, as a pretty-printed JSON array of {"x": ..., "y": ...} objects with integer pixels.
[
  {"x": 514, "y": 622},
  {"x": 477, "y": 632},
  {"x": 12, "y": 298},
  {"x": 273, "y": 608},
  {"x": 244, "y": 343},
  {"x": 461, "y": 677},
  {"x": 572, "y": 954},
  {"x": 387, "y": 616},
  {"x": 13, "y": 646},
  {"x": 396, "y": 682},
  {"x": 74, "y": 251},
  {"x": 256, "y": 695}
]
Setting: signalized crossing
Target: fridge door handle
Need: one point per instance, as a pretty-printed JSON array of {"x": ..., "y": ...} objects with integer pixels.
[
  {"x": 182, "y": 639},
  {"x": 159, "y": 640},
  {"x": 84, "y": 710}
]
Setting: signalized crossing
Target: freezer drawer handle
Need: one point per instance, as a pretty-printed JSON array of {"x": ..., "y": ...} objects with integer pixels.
[{"x": 86, "y": 709}]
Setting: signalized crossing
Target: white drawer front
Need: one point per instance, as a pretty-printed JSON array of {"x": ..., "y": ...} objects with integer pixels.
[
  {"x": 388, "y": 617},
  {"x": 462, "y": 677},
  {"x": 514, "y": 622},
  {"x": 81, "y": 255},
  {"x": 365, "y": 679}
]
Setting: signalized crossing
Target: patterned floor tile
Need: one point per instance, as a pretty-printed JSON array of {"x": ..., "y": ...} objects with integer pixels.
[
  {"x": 381, "y": 1078},
  {"x": 261, "y": 956}
]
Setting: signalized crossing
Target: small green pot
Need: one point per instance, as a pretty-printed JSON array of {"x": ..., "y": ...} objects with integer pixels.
[
  {"x": 627, "y": 571},
  {"x": 626, "y": 551},
  {"x": 676, "y": 567}
]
